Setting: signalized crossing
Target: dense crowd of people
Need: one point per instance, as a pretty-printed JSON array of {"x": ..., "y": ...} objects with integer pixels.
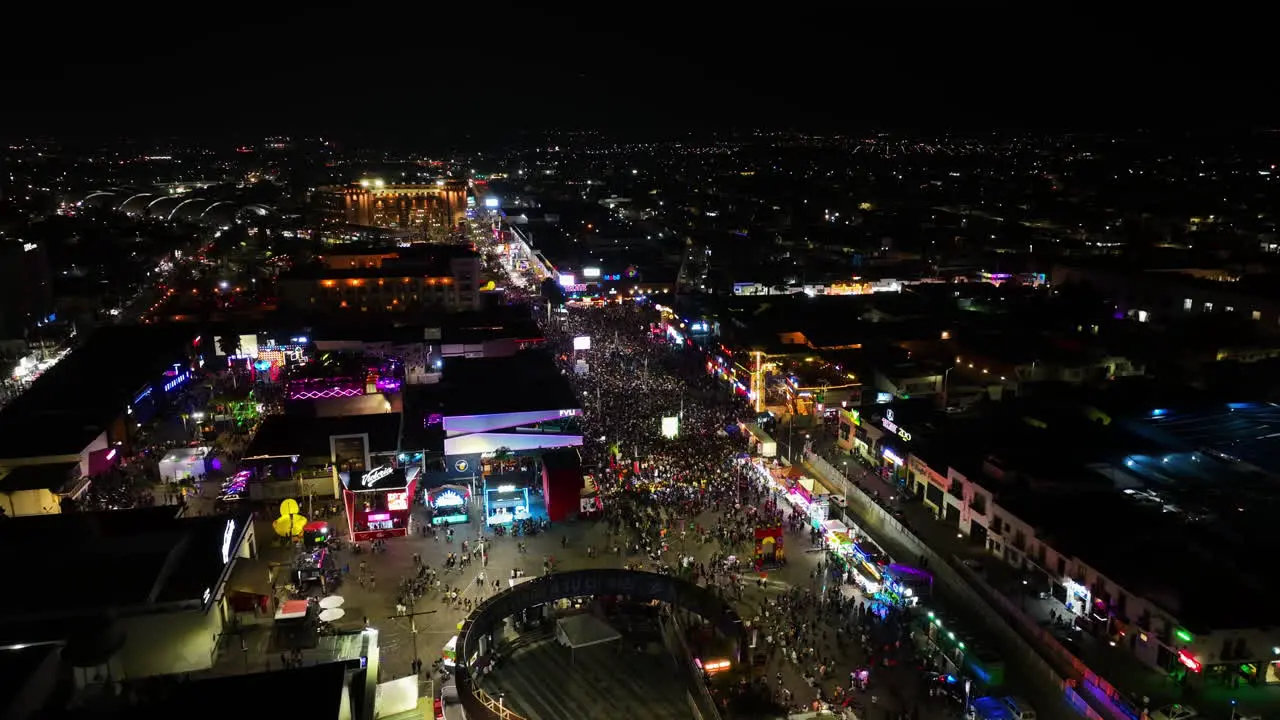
[{"x": 669, "y": 501}]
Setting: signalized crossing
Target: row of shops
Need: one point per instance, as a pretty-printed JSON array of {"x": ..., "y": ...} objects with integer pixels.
[{"x": 868, "y": 567}]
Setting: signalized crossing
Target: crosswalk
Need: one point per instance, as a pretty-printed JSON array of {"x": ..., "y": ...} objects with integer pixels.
[{"x": 543, "y": 681}]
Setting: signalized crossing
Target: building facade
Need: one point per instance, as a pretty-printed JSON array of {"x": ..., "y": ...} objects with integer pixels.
[
  {"x": 406, "y": 207},
  {"x": 386, "y": 282}
]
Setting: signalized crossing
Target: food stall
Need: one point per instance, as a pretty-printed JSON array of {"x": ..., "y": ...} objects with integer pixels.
[
  {"x": 505, "y": 504},
  {"x": 806, "y": 496},
  {"x": 449, "y": 654},
  {"x": 187, "y": 463},
  {"x": 378, "y": 501},
  {"x": 315, "y": 534},
  {"x": 449, "y": 504}
]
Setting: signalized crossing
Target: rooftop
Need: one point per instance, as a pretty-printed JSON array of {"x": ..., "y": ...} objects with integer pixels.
[
  {"x": 524, "y": 382},
  {"x": 1248, "y": 432},
  {"x": 75, "y": 400},
  {"x": 314, "y": 692},
  {"x": 134, "y": 560},
  {"x": 54, "y": 477},
  {"x": 1179, "y": 526},
  {"x": 308, "y": 436}
]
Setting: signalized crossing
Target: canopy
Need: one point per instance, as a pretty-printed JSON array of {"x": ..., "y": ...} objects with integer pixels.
[
  {"x": 580, "y": 631},
  {"x": 333, "y": 601},
  {"x": 835, "y": 526},
  {"x": 293, "y": 610},
  {"x": 330, "y": 614},
  {"x": 251, "y": 576}
]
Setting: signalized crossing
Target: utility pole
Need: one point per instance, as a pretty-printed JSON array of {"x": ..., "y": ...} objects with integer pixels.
[{"x": 413, "y": 627}]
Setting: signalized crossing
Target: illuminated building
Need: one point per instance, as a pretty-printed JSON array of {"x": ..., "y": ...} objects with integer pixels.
[
  {"x": 442, "y": 277},
  {"x": 377, "y": 204}
]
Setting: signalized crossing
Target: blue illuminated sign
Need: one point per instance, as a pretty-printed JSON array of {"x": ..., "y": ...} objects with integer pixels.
[
  {"x": 177, "y": 381},
  {"x": 142, "y": 396}
]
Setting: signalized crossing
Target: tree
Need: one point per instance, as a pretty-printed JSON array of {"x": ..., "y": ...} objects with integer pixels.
[
  {"x": 552, "y": 292},
  {"x": 229, "y": 345}
]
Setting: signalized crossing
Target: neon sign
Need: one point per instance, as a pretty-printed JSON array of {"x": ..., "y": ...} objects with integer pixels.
[
  {"x": 327, "y": 393},
  {"x": 228, "y": 536},
  {"x": 378, "y": 517},
  {"x": 888, "y": 424},
  {"x": 185, "y": 376},
  {"x": 376, "y": 474},
  {"x": 398, "y": 500},
  {"x": 449, "y": 498}
]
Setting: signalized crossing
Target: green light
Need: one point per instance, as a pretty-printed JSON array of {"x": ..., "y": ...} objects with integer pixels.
[
  {"x": 961, "y": 644},
  {"x": 938, "y": 622},
  {"x": 930, "y": 614},
  {"x": 951, "y": 635},
  {"x": 1183, "y": 635}
]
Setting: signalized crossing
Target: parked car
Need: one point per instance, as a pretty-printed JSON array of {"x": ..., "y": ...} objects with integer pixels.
[{"x": 1176, "y": 711}]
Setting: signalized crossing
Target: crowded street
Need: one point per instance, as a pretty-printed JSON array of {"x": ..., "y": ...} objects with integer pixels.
[{"x": 687, "y": 505}]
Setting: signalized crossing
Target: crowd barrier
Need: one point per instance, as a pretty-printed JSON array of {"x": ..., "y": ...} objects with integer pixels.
[
  {"x": 701, "y": 703},
  {"x": 1057, "y": 695}
]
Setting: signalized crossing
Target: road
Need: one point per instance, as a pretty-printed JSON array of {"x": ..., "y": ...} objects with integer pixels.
[{"x": 1131, "y": 678}]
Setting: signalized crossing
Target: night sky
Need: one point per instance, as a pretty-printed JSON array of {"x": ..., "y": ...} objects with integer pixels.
[{"x": 490, "y": 67}]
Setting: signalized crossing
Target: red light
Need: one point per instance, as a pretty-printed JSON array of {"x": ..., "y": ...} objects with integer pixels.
[{"x": 1191, "y": 663}]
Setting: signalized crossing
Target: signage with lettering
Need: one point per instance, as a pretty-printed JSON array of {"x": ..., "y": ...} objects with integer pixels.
[
  {"x": 461, "y": 466},
  {"x": 448, "y": 498},
  {"x": 888, "y": 424},
  {"x": 370, "y": 478},
  {"x": 228, "y": 536},
  {"x": 570, "y": 413},
  {"x": 175, "y": 382}
]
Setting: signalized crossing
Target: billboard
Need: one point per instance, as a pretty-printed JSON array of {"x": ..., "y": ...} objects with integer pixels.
[
  {"x": 463, "y": 424},
  {"x": 488, "y": 442},
  {"x": 582, "y": 342},
  {"x": 491, "y": 203},
  {"x": 567, "y": 280},
  {"x": 670, "y": 427},
  {"x": 590, "y": 273}
]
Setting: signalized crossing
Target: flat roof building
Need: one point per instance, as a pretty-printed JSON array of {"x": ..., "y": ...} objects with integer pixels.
[
  {"x": 437, "y": 277},
  {"x": 139, "y": 592},
  {"x": 1148, "y": 526}
]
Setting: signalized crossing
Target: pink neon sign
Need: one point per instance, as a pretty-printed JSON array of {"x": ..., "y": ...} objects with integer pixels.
[
  {"x": 378, "y": 517},
  {"x": 332, "y": 392}
]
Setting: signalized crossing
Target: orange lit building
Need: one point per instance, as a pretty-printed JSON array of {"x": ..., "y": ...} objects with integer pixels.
[
  {"x": 435, "y": 278},
  {"x": 372, "y": 203}
]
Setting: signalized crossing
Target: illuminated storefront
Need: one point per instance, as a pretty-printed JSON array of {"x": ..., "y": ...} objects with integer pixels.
[
  {"x": 379, "y": 501},
  {"x": 449, "y": 504},
  {"x": 805, "y": 496},
  {"x": 506, "y": 504}
]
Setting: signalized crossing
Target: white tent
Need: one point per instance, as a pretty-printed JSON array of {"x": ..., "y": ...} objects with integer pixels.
[
  {"x": 584, "y": 630},
  {"x": 181, "y": 463}
]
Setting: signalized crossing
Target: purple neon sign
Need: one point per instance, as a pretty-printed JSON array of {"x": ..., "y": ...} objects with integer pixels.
[{"x": 325, "y": 394}]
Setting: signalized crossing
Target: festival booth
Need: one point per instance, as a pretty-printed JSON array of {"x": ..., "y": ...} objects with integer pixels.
[
  {"x": 506, "y": 504},
  {"x": 315, "y": 535},
  {"x": 449, "y": 504},
  {"x": 770, "y": 549},
  {"x": 184, "y": 464},
  {"x": 805, "y": 495},
  {"x": 378, "y": 501}
]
